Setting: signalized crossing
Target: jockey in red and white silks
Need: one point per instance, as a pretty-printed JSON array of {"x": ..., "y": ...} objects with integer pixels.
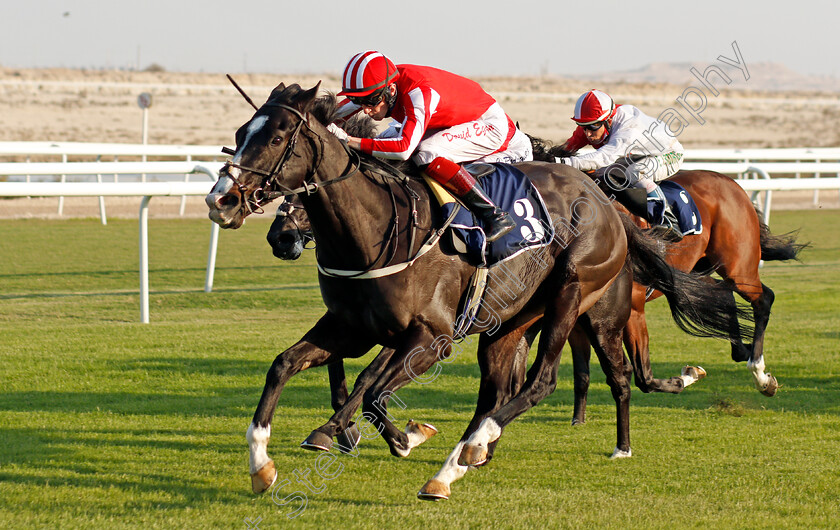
[
  {"x": 440, "y": 120},
  {"x": 438, "y": 113}
]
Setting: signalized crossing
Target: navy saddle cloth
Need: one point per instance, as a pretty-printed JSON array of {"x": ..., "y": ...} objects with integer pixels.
[
  {"x": 513, "y": 192},
  {"x": 683, "y": 207}
]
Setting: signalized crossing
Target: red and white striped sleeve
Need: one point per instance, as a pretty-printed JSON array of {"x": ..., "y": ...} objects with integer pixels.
[
  {"x": 419, "y": 106},
  {"x": 345, "y": 109}
]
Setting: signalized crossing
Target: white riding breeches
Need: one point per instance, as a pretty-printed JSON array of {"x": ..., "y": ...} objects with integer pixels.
[
  {"x": 642, "y": 173},
  {"x": 476, "y": 141}
]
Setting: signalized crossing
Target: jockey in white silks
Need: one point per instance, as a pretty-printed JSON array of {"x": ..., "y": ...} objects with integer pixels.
[{"x": 633, "y": 152}]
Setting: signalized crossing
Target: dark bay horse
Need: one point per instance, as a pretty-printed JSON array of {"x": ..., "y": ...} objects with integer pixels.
[
  {"x": 733, "y": 241},
  {"x": 584, "y": 276}
]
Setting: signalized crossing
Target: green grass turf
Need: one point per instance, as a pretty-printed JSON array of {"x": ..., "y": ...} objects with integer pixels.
[{"x": 106, "y": 422}]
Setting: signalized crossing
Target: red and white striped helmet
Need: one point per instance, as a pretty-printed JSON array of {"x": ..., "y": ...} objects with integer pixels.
[
  {"x": 367, "y": 72},
  {"x": 592, "y": 107}
]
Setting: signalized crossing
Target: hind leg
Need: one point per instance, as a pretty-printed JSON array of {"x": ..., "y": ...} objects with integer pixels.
[
  {"x": 502, "y": 360},
  {"x": 560, "y": 316},
  {"x": 637, "y": 342},
  {"x": 604, "y": 331},
  {"x": 761, "y": 302},
  {"x": 603, "y": 325},
  {"x": 581, "y": 354},
  {"x": 764, "y": 382}
]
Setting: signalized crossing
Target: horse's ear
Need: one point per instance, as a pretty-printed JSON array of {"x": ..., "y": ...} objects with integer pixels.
[
  {"x": 305, "y": 98},
  {"x": 277, "y": 90}
]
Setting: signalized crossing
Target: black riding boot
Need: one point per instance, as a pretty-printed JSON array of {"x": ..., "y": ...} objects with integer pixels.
[{"x": 498, "y": 222}]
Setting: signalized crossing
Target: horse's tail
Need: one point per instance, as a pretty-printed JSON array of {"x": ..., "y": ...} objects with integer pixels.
[
  {"x": 699, "y": 306},
  {"x": 778, "y": 248}
]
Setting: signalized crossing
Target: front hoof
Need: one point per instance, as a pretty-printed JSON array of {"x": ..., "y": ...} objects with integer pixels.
[
  {"x": 317, "y": 441},
  {"x": 264, "y": 478},
  {"x": 419, "y": 432},
  {"x": 696, "y": 372},
  {"x": 472, "y": 455},
  {"x": 434, "y": 490},
  {"x": 770, "y": 388},
  {"x": 348, "y": 439}
]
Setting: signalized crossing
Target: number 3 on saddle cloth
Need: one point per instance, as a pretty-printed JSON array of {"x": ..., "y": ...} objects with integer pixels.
[{"x": 513, "y": 192}]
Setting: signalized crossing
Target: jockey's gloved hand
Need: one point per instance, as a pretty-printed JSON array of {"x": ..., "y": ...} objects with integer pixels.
[{"x": 338, "y": 131}]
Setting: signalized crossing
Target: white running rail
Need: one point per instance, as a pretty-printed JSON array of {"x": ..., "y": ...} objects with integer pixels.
[{"x": 147, "y": 190}]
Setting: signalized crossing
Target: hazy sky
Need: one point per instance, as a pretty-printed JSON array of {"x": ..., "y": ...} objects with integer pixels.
[{"x": 485, "y": 37}]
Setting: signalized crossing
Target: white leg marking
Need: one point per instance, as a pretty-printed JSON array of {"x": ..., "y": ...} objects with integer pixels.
[
  {"x": 451, "y": 471},
  {"x": 258, "y": 442},
  {"x": 416, "y": 437},
  {"x": 618, "y": 453},
  {"x": 692, "y": 374},
  {"x": 757, "y": 369},
  {"x": 487, "y": 432},
  {"x": 687, "y": 380}
]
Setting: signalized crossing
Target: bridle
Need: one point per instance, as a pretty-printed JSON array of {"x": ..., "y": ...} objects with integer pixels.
[
  {"x": 266, "y": 192},
  {"x": 285, "y": 211}
]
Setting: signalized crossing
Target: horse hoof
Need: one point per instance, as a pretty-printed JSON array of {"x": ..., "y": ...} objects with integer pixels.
[
  {"x": 317, "y": 441},
  {"x": 576, "y": 421},
  {"x": 348, "y": 439},
  {"x": 434, "y": 490},
  {"x": 472, "y": 455},
  {"x": 419, "y": 431},
  {"x": 620, "y": 453},
  {"x": 770, "y": 388},
  {"x": 264, "y": 478},
  {"x": 697, "y": 372}
]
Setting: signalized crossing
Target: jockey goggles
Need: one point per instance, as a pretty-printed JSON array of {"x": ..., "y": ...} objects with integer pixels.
[
  {"x": 593, "y": 126},
  {"x": 371, "y": 100}
]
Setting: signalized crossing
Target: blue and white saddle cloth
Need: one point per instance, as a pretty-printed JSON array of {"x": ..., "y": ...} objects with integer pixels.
[
  {"x": 513, "y": 192},
  {"x": 683, "y": 207}
]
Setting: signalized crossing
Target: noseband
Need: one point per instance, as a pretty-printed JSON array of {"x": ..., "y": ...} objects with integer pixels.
[
  {"x": 267, "y": 191},
  {"x": 285, "y": 210}
]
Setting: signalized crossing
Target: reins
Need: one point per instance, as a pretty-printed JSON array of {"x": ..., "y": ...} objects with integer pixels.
[{"x": 254, "y": 201}]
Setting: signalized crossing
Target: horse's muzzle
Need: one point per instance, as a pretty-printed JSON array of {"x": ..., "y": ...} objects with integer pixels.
[{"x": 223, "y": 209}]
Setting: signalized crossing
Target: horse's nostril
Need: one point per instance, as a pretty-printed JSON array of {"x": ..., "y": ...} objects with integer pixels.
[{"x": 227, "y": 201}]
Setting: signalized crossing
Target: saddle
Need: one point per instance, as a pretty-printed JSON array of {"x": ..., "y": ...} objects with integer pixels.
[
  {"x": 685, "y": 212},
  {"x": 512, "y": 191}
]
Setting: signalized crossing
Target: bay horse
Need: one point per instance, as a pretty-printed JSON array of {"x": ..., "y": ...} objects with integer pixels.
[
  {"x": 733, "y": 242},
  {"x": 583, "y": 276}
]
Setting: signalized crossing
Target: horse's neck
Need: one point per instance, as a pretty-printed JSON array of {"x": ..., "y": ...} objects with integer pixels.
[{"x": 352, "y": 219}]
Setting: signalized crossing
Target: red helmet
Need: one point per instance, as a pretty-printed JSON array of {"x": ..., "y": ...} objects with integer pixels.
[
  {"x": 592, "y": 107},
  {"x": 367, "y": 72}
]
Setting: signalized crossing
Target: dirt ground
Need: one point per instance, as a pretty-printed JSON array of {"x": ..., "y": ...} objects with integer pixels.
[{"x": 204, "y": 109}]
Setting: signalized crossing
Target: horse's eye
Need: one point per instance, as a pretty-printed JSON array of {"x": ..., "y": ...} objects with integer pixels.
[{"x": 276, "y": 140}]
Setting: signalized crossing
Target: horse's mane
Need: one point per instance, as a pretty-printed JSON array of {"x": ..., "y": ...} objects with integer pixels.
[
  {"x": 545, "y": 150},
  {"x": 325, "y": 110}
]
